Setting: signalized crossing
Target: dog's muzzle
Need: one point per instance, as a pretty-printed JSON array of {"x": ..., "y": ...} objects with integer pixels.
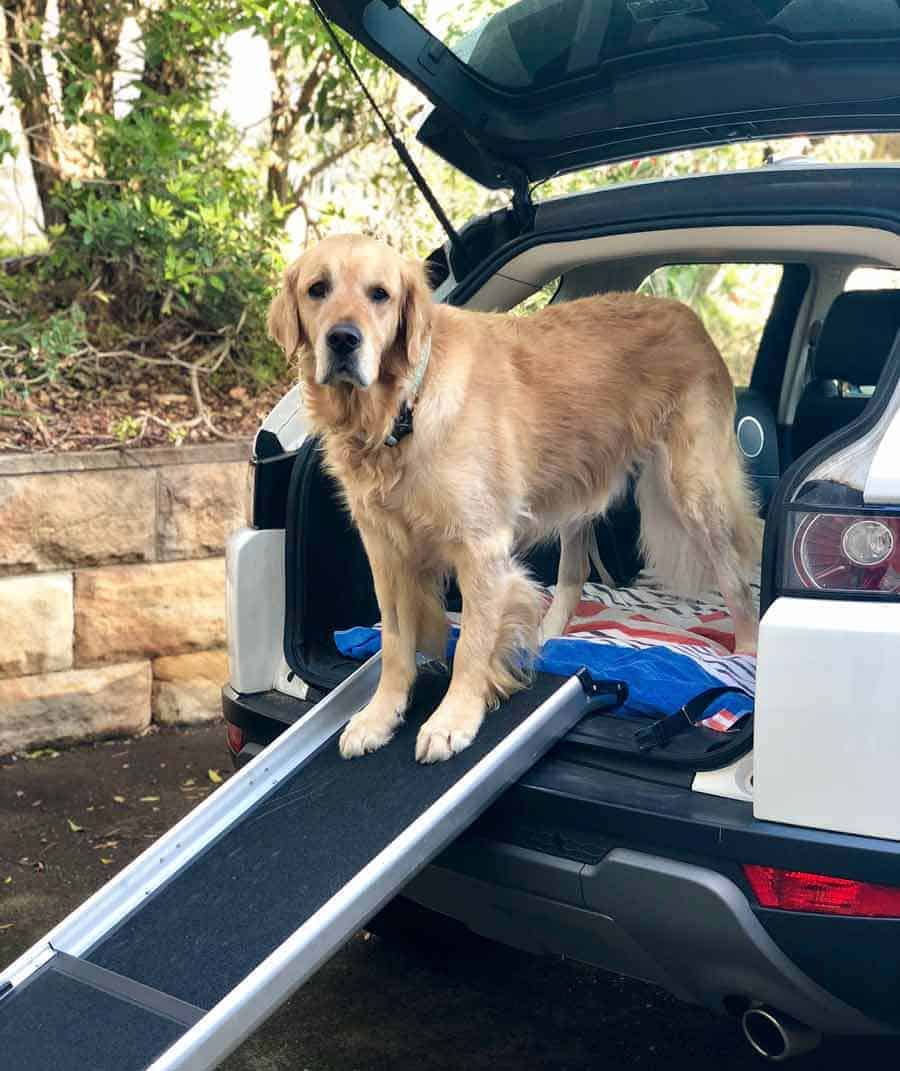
[{"x": 344, "y": 341}]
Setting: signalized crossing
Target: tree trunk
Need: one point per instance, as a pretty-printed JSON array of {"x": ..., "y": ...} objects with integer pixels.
[
  {"x": 287, "y": 113},
  {"x": 174, "y": 61},
  {"x": 97, "y": 30},
  {"x": 28, "y": 86},
  {"x": 277, "y": 181}
]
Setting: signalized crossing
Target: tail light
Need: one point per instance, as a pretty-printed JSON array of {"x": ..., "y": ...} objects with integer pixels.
[
  {"x": 841, "y": 534},
  {"x": 843, "y": 552},
  {"x": 236, "y": 738},
  {"x": 796, "y": 890}
]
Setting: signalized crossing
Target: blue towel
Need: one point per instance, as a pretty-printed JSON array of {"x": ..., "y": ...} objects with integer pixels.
[{"x": 659, "y": 680}]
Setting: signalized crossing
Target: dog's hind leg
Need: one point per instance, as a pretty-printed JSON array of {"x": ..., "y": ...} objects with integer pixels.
[
  {"x": 431, "y": 619},
  {"x": 574, "y": 568},
  {"x": 500, "y": 618}
]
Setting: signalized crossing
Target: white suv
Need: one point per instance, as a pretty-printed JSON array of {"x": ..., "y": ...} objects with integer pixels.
[{"x": 757, "y": 870}]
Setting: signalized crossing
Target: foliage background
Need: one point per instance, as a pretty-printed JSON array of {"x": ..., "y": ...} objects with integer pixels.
[{"x": 163, "y": 222}]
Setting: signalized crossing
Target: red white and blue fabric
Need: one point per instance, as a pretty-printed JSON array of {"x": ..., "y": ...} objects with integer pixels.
[{"x": 668, "y": 649}]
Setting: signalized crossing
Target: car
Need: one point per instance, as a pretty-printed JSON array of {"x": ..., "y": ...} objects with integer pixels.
[{"x": 756, "y": 872}]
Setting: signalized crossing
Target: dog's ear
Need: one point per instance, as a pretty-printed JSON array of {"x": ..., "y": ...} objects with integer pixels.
[
  {"x": 418, "y": 308},
  {"x": 284, "y": 314}
]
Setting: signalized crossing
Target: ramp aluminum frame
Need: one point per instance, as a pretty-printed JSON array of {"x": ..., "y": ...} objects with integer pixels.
[{"x": 154, "y": 1008}]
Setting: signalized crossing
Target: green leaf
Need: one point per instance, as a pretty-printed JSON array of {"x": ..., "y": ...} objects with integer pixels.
[{"x": 42, "y": 753}]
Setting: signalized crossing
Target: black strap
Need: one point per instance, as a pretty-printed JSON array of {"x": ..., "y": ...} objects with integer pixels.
[
  {"x": 661, "y": 732},
  {"x": 403, "y": 426}
]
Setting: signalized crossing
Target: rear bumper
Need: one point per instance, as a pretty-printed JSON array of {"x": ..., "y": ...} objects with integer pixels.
[
  {"x": 684, "y": 927},
  {"x": 644, "y": 878}
]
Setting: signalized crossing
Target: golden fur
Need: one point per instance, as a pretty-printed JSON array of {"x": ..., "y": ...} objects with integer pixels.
[{"x": 524, "y": 428}]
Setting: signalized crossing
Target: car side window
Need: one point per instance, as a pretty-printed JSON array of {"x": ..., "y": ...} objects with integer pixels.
[
  {"x": 865, "y": 278},
  {"x": 734, "y": 301},
  {"x": 873, "y": 279},
  {"x": 538, "y": 299}
]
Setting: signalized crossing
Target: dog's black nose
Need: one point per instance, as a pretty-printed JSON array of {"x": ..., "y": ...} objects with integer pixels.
[{"x": 344, "y": 338}]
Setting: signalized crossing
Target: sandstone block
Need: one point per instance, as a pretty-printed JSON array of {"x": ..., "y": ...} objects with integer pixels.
[
  {"x": 199, "y": 506},
  {"x": 187, "y": 688},
  {"x": 36, "y": 624},
  {"x": 73, "y": 705},
  {"x": 129, "y": 611},
  {"x": 57, "y": 520}
]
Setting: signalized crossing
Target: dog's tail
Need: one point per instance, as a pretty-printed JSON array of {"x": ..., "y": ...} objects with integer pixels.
[{"x": 699, "y": 522}]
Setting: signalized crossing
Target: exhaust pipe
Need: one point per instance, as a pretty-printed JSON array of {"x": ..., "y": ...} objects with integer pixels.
[{"x": 777, "y": 1037}]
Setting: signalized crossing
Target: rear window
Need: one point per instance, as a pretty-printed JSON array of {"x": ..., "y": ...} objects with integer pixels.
[
  {"x": 533, "y": 44},
  {"x": 733, "y": 301}
]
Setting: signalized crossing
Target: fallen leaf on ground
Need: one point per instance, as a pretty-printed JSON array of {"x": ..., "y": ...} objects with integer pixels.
[
  {"x": 74, "y": 826},
  {"x": 6, "y": 925},
  {"x": 149, "y": 799},
  {"x": 190, "y": 782},
  {"x": 7, "y": 881},
  {"x": 214, "y": 776},
  {"x": 118, "y": 799},
  {"x": 105, "y": 862},
  {"x": 42, "y": 753}
]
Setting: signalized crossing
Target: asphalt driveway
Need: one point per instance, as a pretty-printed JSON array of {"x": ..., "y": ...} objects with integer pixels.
[{"x": 69, "y": 820}]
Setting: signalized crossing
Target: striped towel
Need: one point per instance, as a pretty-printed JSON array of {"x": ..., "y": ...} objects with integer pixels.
[{"x": 667, "y": 648}]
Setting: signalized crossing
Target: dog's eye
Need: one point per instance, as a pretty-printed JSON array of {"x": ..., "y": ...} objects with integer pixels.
[
  {"x": 318, "y": 290},
  {"x": 378, "y": 294}
]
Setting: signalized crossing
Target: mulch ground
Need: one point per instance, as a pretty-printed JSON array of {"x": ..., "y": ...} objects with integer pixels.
[
  {"x": 123, "y": 403},
  {"x": 70, "y": 819}
]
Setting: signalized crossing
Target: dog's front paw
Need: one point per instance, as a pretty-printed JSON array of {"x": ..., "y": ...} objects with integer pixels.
[
  {"x": 368, "y": 731},
  {"x": 446, "y": 733}
]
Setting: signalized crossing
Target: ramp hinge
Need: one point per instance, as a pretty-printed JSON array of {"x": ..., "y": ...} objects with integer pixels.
[{"x": 607, "y": 693}]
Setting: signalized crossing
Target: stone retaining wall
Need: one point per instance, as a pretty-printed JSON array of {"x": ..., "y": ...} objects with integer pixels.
[{"x": 112, "y": 589}]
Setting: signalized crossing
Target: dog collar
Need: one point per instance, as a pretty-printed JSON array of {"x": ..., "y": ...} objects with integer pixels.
[{"x": 403, "y": 425}]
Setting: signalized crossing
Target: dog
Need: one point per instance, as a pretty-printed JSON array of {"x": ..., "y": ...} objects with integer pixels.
[{"x": 460, "y": 438}]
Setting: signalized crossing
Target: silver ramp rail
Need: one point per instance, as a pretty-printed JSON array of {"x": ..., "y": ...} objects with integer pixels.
[{"x": 152, "y": 974}]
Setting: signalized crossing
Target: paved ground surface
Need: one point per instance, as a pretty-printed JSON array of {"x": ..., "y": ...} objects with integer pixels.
[{"x": 68, "y": 821}]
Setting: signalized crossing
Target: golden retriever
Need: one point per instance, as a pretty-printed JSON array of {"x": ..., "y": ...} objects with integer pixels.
[{"x": 524, "y": 428}]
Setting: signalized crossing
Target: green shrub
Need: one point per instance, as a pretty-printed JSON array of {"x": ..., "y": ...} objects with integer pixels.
[{"x": 179, "y": 240}]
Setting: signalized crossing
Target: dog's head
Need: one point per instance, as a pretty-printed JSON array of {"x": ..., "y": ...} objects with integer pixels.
[{"x": 357, "y": 310}]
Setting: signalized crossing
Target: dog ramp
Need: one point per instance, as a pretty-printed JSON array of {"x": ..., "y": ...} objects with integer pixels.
[{"x": 189, "y": 949}]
